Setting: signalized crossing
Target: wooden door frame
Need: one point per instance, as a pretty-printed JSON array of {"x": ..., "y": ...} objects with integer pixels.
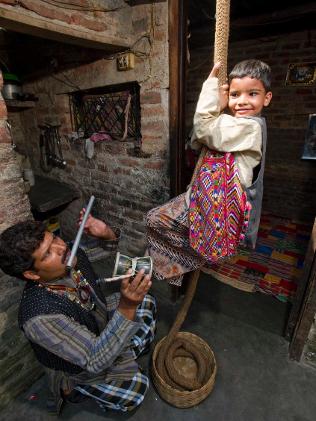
[
  {"x": 177, "y": 27},
  {"x": 304, "y": 305}
]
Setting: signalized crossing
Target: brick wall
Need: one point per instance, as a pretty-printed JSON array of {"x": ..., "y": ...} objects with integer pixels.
[
  {"x": 290, "y": 188},
  {"x": 126, "y": 185},
  {"x": 18, "y": 368}
]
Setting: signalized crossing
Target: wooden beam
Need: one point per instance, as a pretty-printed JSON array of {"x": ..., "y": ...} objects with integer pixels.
[
  {"x": 16, "y": 20},
  {"x": 177, "y": 89}
]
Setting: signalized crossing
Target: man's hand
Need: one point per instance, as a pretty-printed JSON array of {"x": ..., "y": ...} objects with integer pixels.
[
  {"x": 133, "y": 293},
  {"x": 223, "y": 90},
  {"x": 96, "y": 228}
]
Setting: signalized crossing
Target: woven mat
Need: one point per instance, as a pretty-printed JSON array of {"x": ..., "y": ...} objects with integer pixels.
[{"x": 275, "y": 266}]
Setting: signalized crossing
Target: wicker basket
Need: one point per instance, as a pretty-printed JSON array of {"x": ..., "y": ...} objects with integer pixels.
[{"x": 178, "y": 398}]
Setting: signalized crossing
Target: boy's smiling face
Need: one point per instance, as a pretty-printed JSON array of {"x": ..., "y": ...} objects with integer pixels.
[{"x": 247, "y": 97}]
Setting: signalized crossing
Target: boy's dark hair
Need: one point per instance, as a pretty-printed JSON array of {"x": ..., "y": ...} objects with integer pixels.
[
  {"x": 17, "y": 244},
  {"x": 256, "y": 69}
]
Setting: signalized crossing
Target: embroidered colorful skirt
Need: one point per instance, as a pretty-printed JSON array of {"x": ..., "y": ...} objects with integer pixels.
[{"x": 168, "y": 241}]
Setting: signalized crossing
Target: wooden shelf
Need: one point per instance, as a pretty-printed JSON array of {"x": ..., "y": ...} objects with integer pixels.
[{"x": 15, "y": 105}]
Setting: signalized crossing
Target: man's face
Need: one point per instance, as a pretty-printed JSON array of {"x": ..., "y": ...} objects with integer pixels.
[
  {"x": 247, "y": 97},
  {"x": 50, "y": 259}
]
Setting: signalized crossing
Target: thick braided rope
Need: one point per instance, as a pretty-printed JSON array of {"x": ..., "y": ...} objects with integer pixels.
[
  {"x": 221, "y": 38},
  {"x": 173, "y": 347},
  {"x": 220, "y": 54}
]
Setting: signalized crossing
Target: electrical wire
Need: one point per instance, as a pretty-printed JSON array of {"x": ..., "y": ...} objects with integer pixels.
[
  {"x": 151, "y": 37},
  {"x": 69, "y": 83},
  {"x": 139, "y": 54}
]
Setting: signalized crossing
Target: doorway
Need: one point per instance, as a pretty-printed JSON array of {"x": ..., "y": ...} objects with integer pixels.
[{"x": 190, "y": 77}]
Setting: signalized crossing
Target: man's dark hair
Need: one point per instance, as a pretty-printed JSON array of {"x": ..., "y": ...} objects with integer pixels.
[
  {"x": 256, "y": 69},
  {"x": 17, "y": 244}
]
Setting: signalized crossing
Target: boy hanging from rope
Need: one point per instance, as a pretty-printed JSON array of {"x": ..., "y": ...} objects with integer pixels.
[{"x": 182, "y": 239}]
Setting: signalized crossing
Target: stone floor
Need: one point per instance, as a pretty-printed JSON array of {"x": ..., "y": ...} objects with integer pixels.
[{"x": 255, "y": 382}]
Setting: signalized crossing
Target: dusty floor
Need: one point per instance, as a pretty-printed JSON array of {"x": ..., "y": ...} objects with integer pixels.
[{"x": 255, "y": 380}]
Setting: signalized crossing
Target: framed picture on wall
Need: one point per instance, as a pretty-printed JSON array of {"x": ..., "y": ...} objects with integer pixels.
[
  {"x": 301, "y": 74},
  {"x": 309, "y": 151}
]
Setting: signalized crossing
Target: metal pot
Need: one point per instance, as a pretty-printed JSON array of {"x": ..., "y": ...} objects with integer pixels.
[{"x": 11, "y": 90}]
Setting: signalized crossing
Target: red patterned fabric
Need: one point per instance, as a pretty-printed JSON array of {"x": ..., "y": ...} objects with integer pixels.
[{"x": 219, "y": 211}]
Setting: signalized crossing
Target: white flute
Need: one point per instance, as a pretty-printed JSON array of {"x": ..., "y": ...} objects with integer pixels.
[{"x": 79, "y": 233}]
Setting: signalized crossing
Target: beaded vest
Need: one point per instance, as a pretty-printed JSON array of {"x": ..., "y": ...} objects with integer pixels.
[{"x": 36, "y": 301}]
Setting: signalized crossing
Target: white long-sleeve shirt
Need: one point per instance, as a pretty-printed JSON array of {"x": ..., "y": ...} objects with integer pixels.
[{"x": 225, "y": 133}]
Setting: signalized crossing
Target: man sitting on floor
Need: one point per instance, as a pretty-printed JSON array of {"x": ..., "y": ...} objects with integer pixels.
[{"x": 87, "y": 343}]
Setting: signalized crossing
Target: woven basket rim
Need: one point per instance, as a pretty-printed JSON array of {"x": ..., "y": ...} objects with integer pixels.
[{"x": 183, "y": 393}]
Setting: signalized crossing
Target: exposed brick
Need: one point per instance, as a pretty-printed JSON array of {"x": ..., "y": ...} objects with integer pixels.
[
  {"x": 129, "y": 162},
  {"x": 5, "y": 135},
  {"x": 102, "y": 167},
  {"x": 150, "y": 97},
  {"x": 44, "y": 10},
  {"x": 121, "y": 171},
  {"x": 92, "y": 24},
  {"x": 98, "y": 14},
  {"x": 8, "y": 2},
  {"x": 154, "y": 165},
  {"x": 161, "y": 35},
  {"x": 153, "y": 111},
  {"x": 84, "y": 3},
  {"x": 153, "y": 127}
]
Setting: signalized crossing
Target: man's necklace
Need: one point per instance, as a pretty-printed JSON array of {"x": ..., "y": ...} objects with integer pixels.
[{"x": 80, "y": 294}]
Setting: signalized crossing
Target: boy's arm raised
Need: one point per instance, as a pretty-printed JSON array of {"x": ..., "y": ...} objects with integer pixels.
[{"x": 222, "y": 132}]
